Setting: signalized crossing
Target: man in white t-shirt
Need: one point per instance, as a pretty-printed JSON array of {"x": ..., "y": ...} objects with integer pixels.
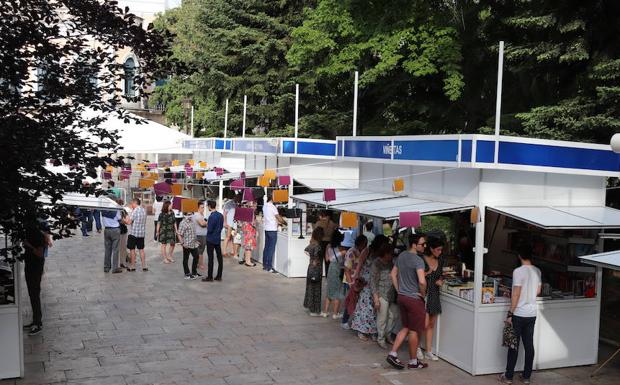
[
  {"x": 200, "y": 227},
  {"x": 526, "y": 285},
  {"x": 271, "y": 218}
]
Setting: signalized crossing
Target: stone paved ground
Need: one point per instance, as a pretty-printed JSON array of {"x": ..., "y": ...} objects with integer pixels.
[{"x": 156, "y": 328}]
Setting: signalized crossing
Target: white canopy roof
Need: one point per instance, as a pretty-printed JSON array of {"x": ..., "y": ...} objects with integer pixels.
[
  {"x": 148, "y": 137},
  {"x": 610, "y": 259},
  {"x": 317, "y": 183},
  {"x": 563, "y": 217},
  {"x": 390, "y": 209},
  {"x": 343, "y": 197},
  {"x": 380, "y": 205},
  {"x": 101, "y": 202}
]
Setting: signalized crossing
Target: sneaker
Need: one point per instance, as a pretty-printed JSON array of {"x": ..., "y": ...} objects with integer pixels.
[
  {"x": 345, "y": 326},
  {"x": 29, "y": 326},
  {"x": 419, "y": 354},
  {"x": 431, "y": 356},
  {"x": 273, "y": 271},
  {"x": 241, "y": 262},
  {"x": 418, "y": 365},
  {"x": 188, "y": 277},
  {"x": 502, "y": 378},
  {"x": 395, "y": 362},
  {"x": 315, "y": 314},
  {"x": 116, "y": 271},
  {"x": 337, "y": 316},
  {"x": 324, "y": 315},
  {"x": 193, "y": 277},
  {"x": 207, "y": 279},
  {"x": 197, "y": 275},
  {"x": 382, "y": 344},
  {"x": 524, "y": 380},
  {"x": 35, "y": 329}
]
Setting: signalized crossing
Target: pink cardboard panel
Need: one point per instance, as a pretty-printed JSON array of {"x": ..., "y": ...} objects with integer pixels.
[
  {"x": 244, "y": 214},
  {"x": 176, "y": 203},
  {"x": 248, "y": 196},
  {"x": 162, "y": 188},
  {"x": 410, "y": 219},
  {"x": 329, "y": 194},
  {"x": 284, "y": 180},
  {"x": 238, "y": 184}
]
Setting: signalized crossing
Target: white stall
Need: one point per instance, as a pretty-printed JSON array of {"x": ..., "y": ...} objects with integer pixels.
[{"x": 549, "y": 191}]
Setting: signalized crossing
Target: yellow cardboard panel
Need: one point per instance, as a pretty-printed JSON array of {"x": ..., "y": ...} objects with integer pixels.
[
  {"x": 262, "y": 181},
  {"x": 146, "y": 183},
  {"x": 398, "y": 185},
  {"x": 203, "y": 164},
  {"x": 189, "y": 205},
  {"x": 176, "y": 188},
  {"x": 348, "y": 219},
  {"x": 280, "y": 196},
  {"x": 270, "y": 174}
]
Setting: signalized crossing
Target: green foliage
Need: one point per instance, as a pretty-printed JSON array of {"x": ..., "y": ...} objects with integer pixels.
[
  {"x": 425, "y": 66},
  {"x": 231, "y": 48}
]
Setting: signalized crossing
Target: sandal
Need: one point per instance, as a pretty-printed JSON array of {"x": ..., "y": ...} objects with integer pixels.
[
  {"x": 145, "y": 269},
  {"x": 362, "y": 336},
  {"x": 252, "y": 265}
]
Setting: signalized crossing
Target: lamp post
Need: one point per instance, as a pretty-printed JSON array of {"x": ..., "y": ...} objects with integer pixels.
[{"x": 615, "y": 143}]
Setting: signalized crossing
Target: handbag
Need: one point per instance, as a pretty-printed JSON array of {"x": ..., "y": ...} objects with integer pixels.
[
  {"x": 509, "y": 337},
  {"x": 314, "y": 274}
]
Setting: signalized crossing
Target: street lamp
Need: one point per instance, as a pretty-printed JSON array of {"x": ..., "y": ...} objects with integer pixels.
[{"x": 615, "y": 143}]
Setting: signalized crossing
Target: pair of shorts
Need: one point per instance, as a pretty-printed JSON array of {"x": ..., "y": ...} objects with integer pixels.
[
  {"x": 134, "y": 242},
  {"x": 202, "y": 243},
  {"x": 412, "y": 313}
]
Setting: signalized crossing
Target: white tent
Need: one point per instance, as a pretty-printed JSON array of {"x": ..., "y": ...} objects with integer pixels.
[{"x": 148, "y": 137}]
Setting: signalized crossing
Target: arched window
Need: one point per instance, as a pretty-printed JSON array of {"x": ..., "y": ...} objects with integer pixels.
[{"x": 130, "y": 72}]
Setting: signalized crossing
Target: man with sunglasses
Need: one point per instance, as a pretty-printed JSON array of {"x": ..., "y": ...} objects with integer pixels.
[{"x": 410, "y": 283}]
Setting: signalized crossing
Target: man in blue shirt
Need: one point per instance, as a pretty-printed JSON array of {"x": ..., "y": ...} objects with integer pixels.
[
  {"x": 215, "y": 223},
  {"x": 111, "y": 237}
]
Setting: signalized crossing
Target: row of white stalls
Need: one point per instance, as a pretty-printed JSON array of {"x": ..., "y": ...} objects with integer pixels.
[
  {"x": 548, "y": 193},
  {"x": 12, "y": 297}
]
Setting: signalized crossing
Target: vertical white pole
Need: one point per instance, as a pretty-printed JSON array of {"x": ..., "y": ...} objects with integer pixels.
[
  {"x": 355, "y": 104},
  {"x": 498, "y": 102},
  {"x": 245, "y": 105},
  {"x": 296, "y": 115},
  {"x": 226, "y": 118},
  {"x": 191, "y": 121}
]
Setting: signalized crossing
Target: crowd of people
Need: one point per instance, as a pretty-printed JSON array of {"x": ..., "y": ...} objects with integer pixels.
[
  {"x": 372, "y": 288},
  {"x": 380, "y": 296}
]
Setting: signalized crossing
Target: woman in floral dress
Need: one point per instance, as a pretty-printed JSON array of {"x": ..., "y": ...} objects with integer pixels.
[
  {"x": 249, "y": 242},
  {"x": 312, "y": 299},
  {"x": 167, "y": 231},
  {"x": 364, "y": 320}
]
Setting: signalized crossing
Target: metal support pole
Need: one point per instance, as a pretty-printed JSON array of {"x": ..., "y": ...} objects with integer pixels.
[
  {"x": 191, "y": 121},
  {"x": 498, "y": 102},
  {"x": 245, "y": 105},
  {"x": 226, "y": 118},
  {"x": 296, "y": 115},
  {"x": 355, "y": 104}
]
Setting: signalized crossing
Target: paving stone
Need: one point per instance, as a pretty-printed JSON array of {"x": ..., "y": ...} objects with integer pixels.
[{"x": 156, "y": 328}]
